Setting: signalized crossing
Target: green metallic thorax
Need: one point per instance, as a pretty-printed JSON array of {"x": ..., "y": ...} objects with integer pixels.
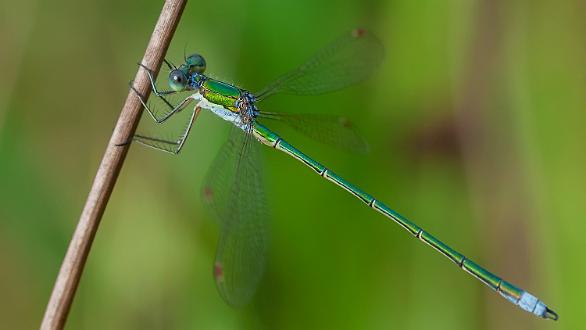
[{"x": 221, "y": 93}]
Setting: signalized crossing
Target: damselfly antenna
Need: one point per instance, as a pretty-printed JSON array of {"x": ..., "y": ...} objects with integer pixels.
[
  {"x": 185, "y": 52},
  {"x": 170, "y": 65}
]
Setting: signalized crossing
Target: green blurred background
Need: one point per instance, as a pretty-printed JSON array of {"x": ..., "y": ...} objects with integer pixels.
[{"x": 476, "y": 127}]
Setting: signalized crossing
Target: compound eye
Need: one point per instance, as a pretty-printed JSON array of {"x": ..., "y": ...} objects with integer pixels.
[
  {"x": 177, "y": 80},
  {"x": 196, "y": 63}
]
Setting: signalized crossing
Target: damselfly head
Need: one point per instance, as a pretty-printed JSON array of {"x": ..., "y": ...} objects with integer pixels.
[
  {"x": 178, "y": 80},
  {"x": 196, "y": 63}
]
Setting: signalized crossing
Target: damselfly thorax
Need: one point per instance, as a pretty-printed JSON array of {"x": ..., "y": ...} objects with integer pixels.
[{"x": 230, "y": 97}]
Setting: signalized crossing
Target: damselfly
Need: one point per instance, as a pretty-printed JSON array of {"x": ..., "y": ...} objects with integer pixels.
[{"x": 234, "y": 186}]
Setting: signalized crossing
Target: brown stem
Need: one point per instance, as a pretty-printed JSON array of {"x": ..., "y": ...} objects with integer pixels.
[{"x": 79, "y": 247}]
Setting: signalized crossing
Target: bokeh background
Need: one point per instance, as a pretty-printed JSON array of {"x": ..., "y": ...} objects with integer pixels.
[{"x": 476, "y": 129}]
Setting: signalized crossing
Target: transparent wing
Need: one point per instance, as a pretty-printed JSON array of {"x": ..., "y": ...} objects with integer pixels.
[
  {"x": 331, "y": 130},
  {"x": 234, "y": 192},
  {"x": 346, "y": 61}
]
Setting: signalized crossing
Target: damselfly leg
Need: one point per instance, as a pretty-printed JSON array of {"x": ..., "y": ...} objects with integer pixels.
[
  {"x": 173, "y": 109},
  {"x": 173, "y": 147}
]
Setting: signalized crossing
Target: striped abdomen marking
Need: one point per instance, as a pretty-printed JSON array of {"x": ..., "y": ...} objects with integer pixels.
[
  {"x": 292, "y": 151},
  {"x": 517, "y": 296}
]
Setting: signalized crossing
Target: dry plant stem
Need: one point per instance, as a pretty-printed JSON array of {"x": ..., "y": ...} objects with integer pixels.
[{"x": 79, "y": 247}]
